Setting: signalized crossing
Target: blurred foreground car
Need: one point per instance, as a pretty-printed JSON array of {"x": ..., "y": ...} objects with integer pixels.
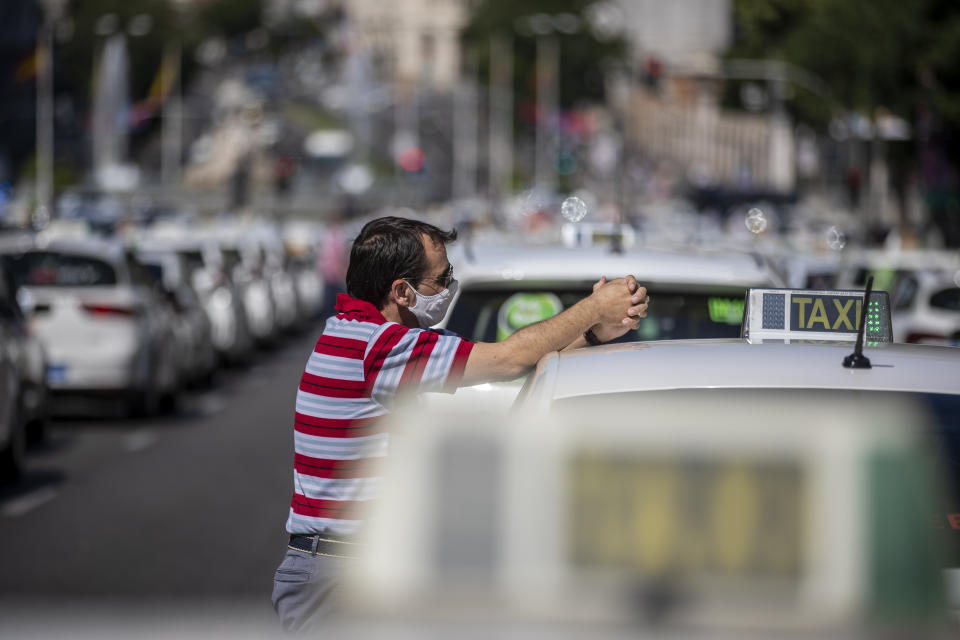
[
  {"x": 100, "y": 319},
  {"x": 686, "y": 488}
]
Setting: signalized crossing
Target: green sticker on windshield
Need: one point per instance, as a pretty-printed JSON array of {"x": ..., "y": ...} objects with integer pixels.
[
  {"x": 522, "y": 309},
  {"x": 725, "y": 310}
]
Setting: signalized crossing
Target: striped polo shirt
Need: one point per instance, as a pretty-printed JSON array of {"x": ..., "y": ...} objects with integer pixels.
[{"x": 351, "y": 380}]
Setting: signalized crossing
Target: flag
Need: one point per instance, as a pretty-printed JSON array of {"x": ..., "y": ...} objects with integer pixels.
[
  {"x": 31, "y": 65},
  {"x": 160, "y": 89}
]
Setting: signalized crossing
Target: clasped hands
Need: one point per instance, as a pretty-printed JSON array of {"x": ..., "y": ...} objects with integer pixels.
[{"x": 623, "y": 302}]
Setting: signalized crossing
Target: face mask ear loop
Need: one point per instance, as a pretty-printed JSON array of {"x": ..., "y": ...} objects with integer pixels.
[{"x": 413, "y": 290}]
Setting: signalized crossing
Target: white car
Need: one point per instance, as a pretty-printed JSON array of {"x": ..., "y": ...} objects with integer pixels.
[
  {"x": 695, "y": 293},
  {"x": 101, "y": 320},
  {"x": 742, "y": 487},
  {"x": 14, "y": 379},
  {"x": 502, "y": 287},
  {"x": 221, "y": 299},
  {"x": 244, "y": 264},
  {"x": 926, "y": 308},
  {"x": 196, "y": 356},
  {"x": 923, "y": 287}
]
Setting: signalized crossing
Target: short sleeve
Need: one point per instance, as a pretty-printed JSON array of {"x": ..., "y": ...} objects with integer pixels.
[{"x": 417, "y": 360}]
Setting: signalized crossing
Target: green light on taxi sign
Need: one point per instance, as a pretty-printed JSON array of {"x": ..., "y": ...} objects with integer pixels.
[{"x": 725, "y": 310}]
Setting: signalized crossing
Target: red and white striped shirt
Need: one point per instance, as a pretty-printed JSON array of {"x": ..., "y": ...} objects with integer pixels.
[{"x": 351, "y": 381}]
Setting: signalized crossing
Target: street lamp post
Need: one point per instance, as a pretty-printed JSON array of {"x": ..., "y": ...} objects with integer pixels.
[
  {"x": 465, "y": 133},
  {"x": 53, "y": 9},
  {"x": 500, "y": 127},
  {"x": 171, "y": 120},
  {"x": 548, "y": 92},
  {"x": 547, "y": 28}
]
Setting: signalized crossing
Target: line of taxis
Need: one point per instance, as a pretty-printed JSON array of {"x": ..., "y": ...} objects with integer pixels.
[{"x": 748, "y": 485}]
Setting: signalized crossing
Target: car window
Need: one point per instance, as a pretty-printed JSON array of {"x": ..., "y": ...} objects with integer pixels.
[
  {"x": 884, "y": 278},
  {"x": 9, "y": 310},
  {"x": 948, "y": 299},
  {"x": 49, "y": 268},
  {"x": 193, "y": 260},
  {"x": 139, "y": 273},
  {"x": 484, "y": 314},
  {"x": 904, "y": 292},
  {"x": 232, "y": 259}
]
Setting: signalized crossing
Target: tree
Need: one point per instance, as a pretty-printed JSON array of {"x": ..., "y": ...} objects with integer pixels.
[
  {"x": 873, "y": 55},
  {"x": 583, "y": 56}
]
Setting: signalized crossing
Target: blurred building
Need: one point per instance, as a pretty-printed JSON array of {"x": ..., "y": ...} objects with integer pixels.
[
  {"x": 410, "y": 41},
  {"x": 669, "y": 95},
  {"x": 683, "y": 33},
  {"x": 413, "y": 41}
]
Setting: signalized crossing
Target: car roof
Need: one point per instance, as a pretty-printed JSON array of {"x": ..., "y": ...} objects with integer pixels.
[
  {"x": 731, "y": 364},
  {"x": 107, "y": 249},
  {"x": 489, "y": 262}
]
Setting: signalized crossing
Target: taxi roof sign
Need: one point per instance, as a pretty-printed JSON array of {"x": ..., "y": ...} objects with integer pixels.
[
  {"x": 814, "y": 314},
  {"x": 592, "y": 234}
]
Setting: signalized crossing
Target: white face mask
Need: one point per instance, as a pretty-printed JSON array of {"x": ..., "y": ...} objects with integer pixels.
[{"x": 430, "y": 310}]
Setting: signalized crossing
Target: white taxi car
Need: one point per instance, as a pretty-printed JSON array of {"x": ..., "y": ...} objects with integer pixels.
[
  {"x": 13, "y": 380},
  {"x": 755, "y": 487},
  {"x": 505, "y": 286},
  {"x": 101, "y": 320},
  {"x": 926, "y": 307}
]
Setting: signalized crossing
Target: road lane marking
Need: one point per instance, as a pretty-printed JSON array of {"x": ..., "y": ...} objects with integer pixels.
[
  {"x": 211, "y": 404},
  {"x": 26, "y": 503},
  {"x": 140, "y": 440}
]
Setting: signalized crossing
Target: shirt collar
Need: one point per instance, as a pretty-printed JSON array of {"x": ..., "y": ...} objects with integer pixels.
[{"x": 358, "y": 309}]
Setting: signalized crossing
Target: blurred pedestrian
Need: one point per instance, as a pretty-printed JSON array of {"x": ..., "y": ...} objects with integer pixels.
[
  {"x": 332, "y": 259},
  {"x": 399, "y": 283}
]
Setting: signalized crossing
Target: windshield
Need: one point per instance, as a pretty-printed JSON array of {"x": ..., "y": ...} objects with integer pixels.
[
  {"x": 948, "y": 299},
  {"x": 942, "y": 412},
  {"x": 51, "y": 269},
  {"x": 491, "y": 314}
]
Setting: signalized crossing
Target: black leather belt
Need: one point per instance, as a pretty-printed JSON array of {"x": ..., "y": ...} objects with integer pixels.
[{"x": 323, "y": 545}]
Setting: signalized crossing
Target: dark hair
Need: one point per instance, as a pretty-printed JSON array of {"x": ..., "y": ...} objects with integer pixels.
[{"x": 387, "y": 249}]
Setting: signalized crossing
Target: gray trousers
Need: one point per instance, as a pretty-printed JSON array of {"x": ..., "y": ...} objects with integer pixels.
[{"x": 305, "y": 590}]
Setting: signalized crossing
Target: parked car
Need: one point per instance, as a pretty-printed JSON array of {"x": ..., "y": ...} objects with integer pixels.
[
  {"x": 244, "y": 265},
  {"x": 221, "y": 298},
  {"x": 101, "y": 319},
  {"x": 196, "y": 356},
  {"x": 13, "y": 377},
  {"x": 503, "y": 287},
  {"x": 926, "y": 308},
  {"x": 32, "y": 358}
]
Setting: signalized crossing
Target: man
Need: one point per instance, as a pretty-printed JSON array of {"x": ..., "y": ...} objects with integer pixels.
[{"x": 399, "y": 282}]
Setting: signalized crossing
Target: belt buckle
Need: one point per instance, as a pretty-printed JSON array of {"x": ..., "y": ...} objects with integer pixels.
[{"x": 297, "y": 543}]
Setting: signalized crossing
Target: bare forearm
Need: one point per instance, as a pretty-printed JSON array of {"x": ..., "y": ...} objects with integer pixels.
[
  {"x": 554, "y": 334},
  {"x": 519, "y": 353},
  {"x": 579, "y": 343},
  {"x": 612, "y": 303}
]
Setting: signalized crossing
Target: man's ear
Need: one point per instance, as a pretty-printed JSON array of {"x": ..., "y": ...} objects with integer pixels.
[{"x": 400, "y": 293}]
